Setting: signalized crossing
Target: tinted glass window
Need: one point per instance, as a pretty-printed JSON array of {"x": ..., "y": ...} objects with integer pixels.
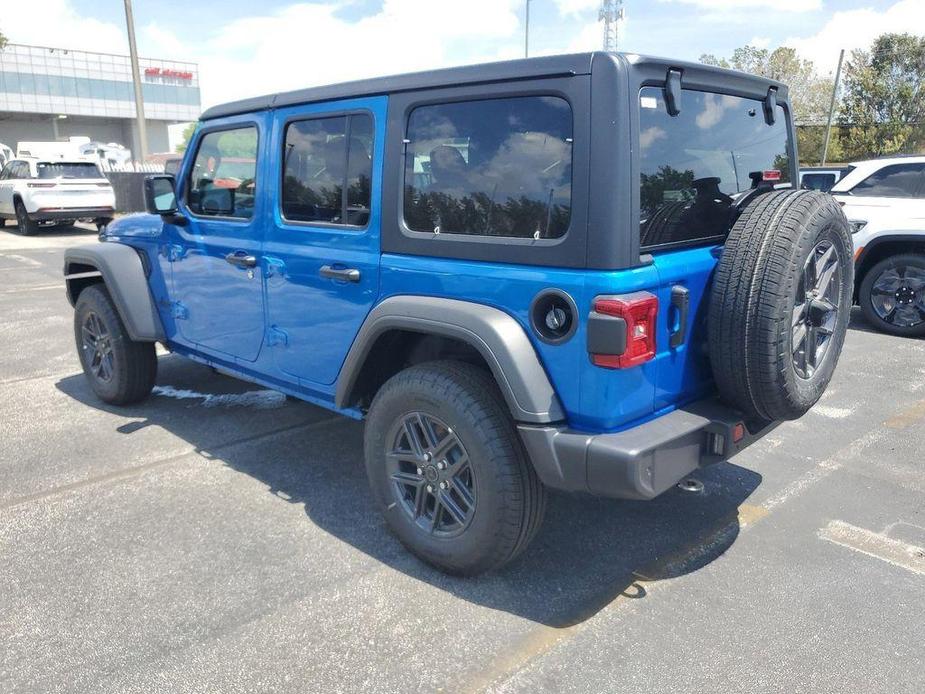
[
  {"x": 895, "y": 181},
  {"x": 328, "y": 170},
  {"x": 695, "y": 164},
  {"x": 817, "y": 181},
  {"x": 67, "y": 170},
  {"x": 223, "y": 179},
  {"x": 499, "y": 167},
  {"x": 22, "y": 170},
  {"x": 5, "y": 173}
]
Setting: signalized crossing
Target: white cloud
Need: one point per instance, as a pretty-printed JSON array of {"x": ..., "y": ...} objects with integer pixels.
[
  {"x": 567, "y": 7},
  {"x": 55, "y": 23},
  {"x": 760, "y": 41},
  {"x": 776, "y": 5},
  {"x": 850, "y": 29}
]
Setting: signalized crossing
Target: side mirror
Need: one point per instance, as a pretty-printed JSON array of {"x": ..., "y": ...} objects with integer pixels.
[{"x": 161, "y": 195}]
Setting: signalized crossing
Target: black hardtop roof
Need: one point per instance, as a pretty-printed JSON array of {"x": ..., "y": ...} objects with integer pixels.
[{"x": 509, "y": 70}]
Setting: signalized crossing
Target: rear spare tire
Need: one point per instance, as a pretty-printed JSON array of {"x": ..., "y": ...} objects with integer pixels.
[{"x": 780, "y": 304}]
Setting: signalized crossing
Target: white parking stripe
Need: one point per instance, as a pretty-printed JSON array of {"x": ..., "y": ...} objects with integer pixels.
[{"x": 902, "y": 554}]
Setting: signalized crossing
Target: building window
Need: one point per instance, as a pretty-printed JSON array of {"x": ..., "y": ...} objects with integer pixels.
[
  {"x": 328, "y": 170},
  {"x": 492, "y": 167}
]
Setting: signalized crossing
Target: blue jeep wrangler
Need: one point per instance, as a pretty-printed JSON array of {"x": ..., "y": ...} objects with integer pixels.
[{"x": 588, "y": 273}]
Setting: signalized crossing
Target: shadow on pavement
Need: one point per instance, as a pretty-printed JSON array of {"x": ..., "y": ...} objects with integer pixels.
[
  {"x": 62, "y": 231},
  {"x": 588, "y": 553}
]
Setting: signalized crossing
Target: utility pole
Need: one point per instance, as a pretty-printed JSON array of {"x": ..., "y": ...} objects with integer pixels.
[
  {"x": 136, "y": 79},
  {"x": 610, "y": 14},
  {"x": 527, "y": 30},
  {"x": 828, "y": 126}
]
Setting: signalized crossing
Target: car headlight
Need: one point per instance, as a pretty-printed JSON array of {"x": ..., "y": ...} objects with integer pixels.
[{"x": 856, "y": 225}]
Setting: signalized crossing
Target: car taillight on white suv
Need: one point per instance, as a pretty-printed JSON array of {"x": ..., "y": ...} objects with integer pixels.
[{"x": 621, "y": 330}]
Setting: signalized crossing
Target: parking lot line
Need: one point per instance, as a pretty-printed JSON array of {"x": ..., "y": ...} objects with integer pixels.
[
  {"x": 145, "y": 467},
  {"x": 902, "y": 554}
]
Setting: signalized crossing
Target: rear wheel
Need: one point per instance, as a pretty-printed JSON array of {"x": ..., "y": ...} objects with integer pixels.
[
  {"x": 448, "y": 470},
  {"x": 27, "y": 227},
  {"x": 892, "y": 295},
  {"x": 120, "y": 370}
]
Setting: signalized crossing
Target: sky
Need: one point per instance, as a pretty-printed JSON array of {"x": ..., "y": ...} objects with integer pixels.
[{"x": 246, "y": 47}]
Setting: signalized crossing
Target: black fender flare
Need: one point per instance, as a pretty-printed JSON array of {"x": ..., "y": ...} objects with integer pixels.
[
  {"x": 498, "y": 337},
  {"x": 124, "y": 275}
]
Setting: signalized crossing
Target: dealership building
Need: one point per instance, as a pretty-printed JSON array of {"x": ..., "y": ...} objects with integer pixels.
[{"x": 54, "y": 93}]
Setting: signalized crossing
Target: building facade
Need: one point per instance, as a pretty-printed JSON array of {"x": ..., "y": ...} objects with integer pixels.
[{"x": 55, "y": 93}]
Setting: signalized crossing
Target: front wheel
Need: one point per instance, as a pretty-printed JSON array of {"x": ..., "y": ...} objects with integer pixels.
[
  {"x": 892, "y": 295},
  {"x": 120, "y": 370},
  {"x": 448, "y": 470}
]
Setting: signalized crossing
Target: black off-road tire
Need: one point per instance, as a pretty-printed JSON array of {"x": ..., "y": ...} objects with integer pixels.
[
  {"x": 133, "y": 364},
  {"x": 904, "y": 260},
  {"x": 509, "y": 499},
  {"x": 754, "y": 302},
  {"x": 27, "y": 227}
]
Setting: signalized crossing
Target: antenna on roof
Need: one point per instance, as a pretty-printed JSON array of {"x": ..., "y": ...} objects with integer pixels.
[{"x": 611, "y": 14}]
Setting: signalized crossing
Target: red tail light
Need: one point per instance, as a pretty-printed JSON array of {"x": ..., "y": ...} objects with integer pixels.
[{"x": 639, "y": 312}]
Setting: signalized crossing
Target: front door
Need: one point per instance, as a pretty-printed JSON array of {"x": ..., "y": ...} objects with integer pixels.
[
  {"x": 322, "y": 251},
  {"x": 217, "y": 293}
]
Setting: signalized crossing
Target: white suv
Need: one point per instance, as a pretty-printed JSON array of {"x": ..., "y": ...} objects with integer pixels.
[
  {"x": 35, "y": 192},
  {"x": 884, "y": 199}
]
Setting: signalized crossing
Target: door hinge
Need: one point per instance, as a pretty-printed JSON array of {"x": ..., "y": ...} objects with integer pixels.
[
  {"x": 277, "y": 336},
  {"x": 178, "y": 310}
]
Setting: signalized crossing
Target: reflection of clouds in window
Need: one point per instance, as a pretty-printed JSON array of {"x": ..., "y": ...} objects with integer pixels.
[
  {"x": 714, "y": 108},
  {"x": 650, "y": 135},
  {"x": 528, "y": 164}
]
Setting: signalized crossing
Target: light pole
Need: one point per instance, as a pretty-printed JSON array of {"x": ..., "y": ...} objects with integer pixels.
[
  {"x": 527, "y": 30},
  {"x": 828, "y": 124},
  {"x": 136, "y": 79}
]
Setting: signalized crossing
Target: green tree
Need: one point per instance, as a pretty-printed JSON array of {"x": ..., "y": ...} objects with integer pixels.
[
  {"x": 809, "y": 92},
  {"x": 884, "y": 103},
  {"x": 2, "y": 41},
  {"x": 187, "y": 135}
]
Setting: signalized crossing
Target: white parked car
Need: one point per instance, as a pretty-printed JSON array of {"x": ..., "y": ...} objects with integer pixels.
[
  {"x": 35, "y": 193},
  {"x": 884, "y": 200}
]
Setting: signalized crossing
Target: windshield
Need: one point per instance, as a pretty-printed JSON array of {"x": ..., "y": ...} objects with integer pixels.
[
  {"x": 693, "y": 165},
  {"x": 68, "y": 170}
]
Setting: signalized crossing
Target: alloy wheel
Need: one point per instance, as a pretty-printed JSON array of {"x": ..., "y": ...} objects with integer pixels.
[
  {"x": 431, "y": 475},
  {"x": 815, "y": 312},
  {"x": 96, "y": 344},
  {"x": 898, "y": 295}
]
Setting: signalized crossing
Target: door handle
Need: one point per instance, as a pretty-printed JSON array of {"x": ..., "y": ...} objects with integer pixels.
[
  {"x": 680, "y": 300},
  {"x": 347, "y": 274},
  {"x": 241, "y": 259}
]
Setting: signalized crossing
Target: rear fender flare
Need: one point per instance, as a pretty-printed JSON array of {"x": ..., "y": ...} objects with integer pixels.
[
  {"x": 124, "y": 275},
  {"x": 498, "y": 337}
]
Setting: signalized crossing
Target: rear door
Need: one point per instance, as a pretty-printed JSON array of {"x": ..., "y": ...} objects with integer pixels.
[
  {"x": 6, "y": 189},
  {"x": 322, "y": 247},
  {"x": 215, "y": 257},
  {"x": 693, "y": 166}
]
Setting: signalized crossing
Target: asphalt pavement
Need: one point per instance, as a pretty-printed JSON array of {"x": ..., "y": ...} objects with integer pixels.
[{"x": 221, "y": 538}]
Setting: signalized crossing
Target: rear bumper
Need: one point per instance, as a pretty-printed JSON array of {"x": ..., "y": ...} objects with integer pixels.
[
  {"x": 642, "y": 462},
  {"x": 48, "y": 214}
]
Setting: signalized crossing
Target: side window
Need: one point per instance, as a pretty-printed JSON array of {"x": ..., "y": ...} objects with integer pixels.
[
  {"x": 327, "y": 171},
  {"x": 493, "y": 167},
  {"x": 21, "y": 170},
  {"x": 894, "y": 181},
  {"x": 695, "y": 164},
  {"x": 223, "y": 178},
  {"x": 5, "y": 173}
]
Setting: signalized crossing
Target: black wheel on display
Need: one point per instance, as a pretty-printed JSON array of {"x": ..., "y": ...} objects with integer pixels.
[
  {"x": 27, "y": 227},
  {"x": 892, "y": 295},
  {"x": 448, "y": 470},
  {"x": 120, "y": 370},
  {"x": 780, "y": 303}
]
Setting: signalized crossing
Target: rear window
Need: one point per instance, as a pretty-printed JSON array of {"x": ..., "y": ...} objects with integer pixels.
[
  {"x": 68, "y": 170},
  {"x": 818, "y": 181},
  {"x": 694, "y": 165},
  {"x": 492, "y": 167}
]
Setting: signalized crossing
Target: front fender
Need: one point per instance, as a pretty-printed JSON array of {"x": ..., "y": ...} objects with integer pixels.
[
  {"x": 124, "y": 276},
  {"x": 499, "y": 338}
]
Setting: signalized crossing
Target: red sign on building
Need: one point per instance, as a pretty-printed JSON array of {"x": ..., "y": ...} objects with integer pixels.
[{"x": 167, "y": 72}]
